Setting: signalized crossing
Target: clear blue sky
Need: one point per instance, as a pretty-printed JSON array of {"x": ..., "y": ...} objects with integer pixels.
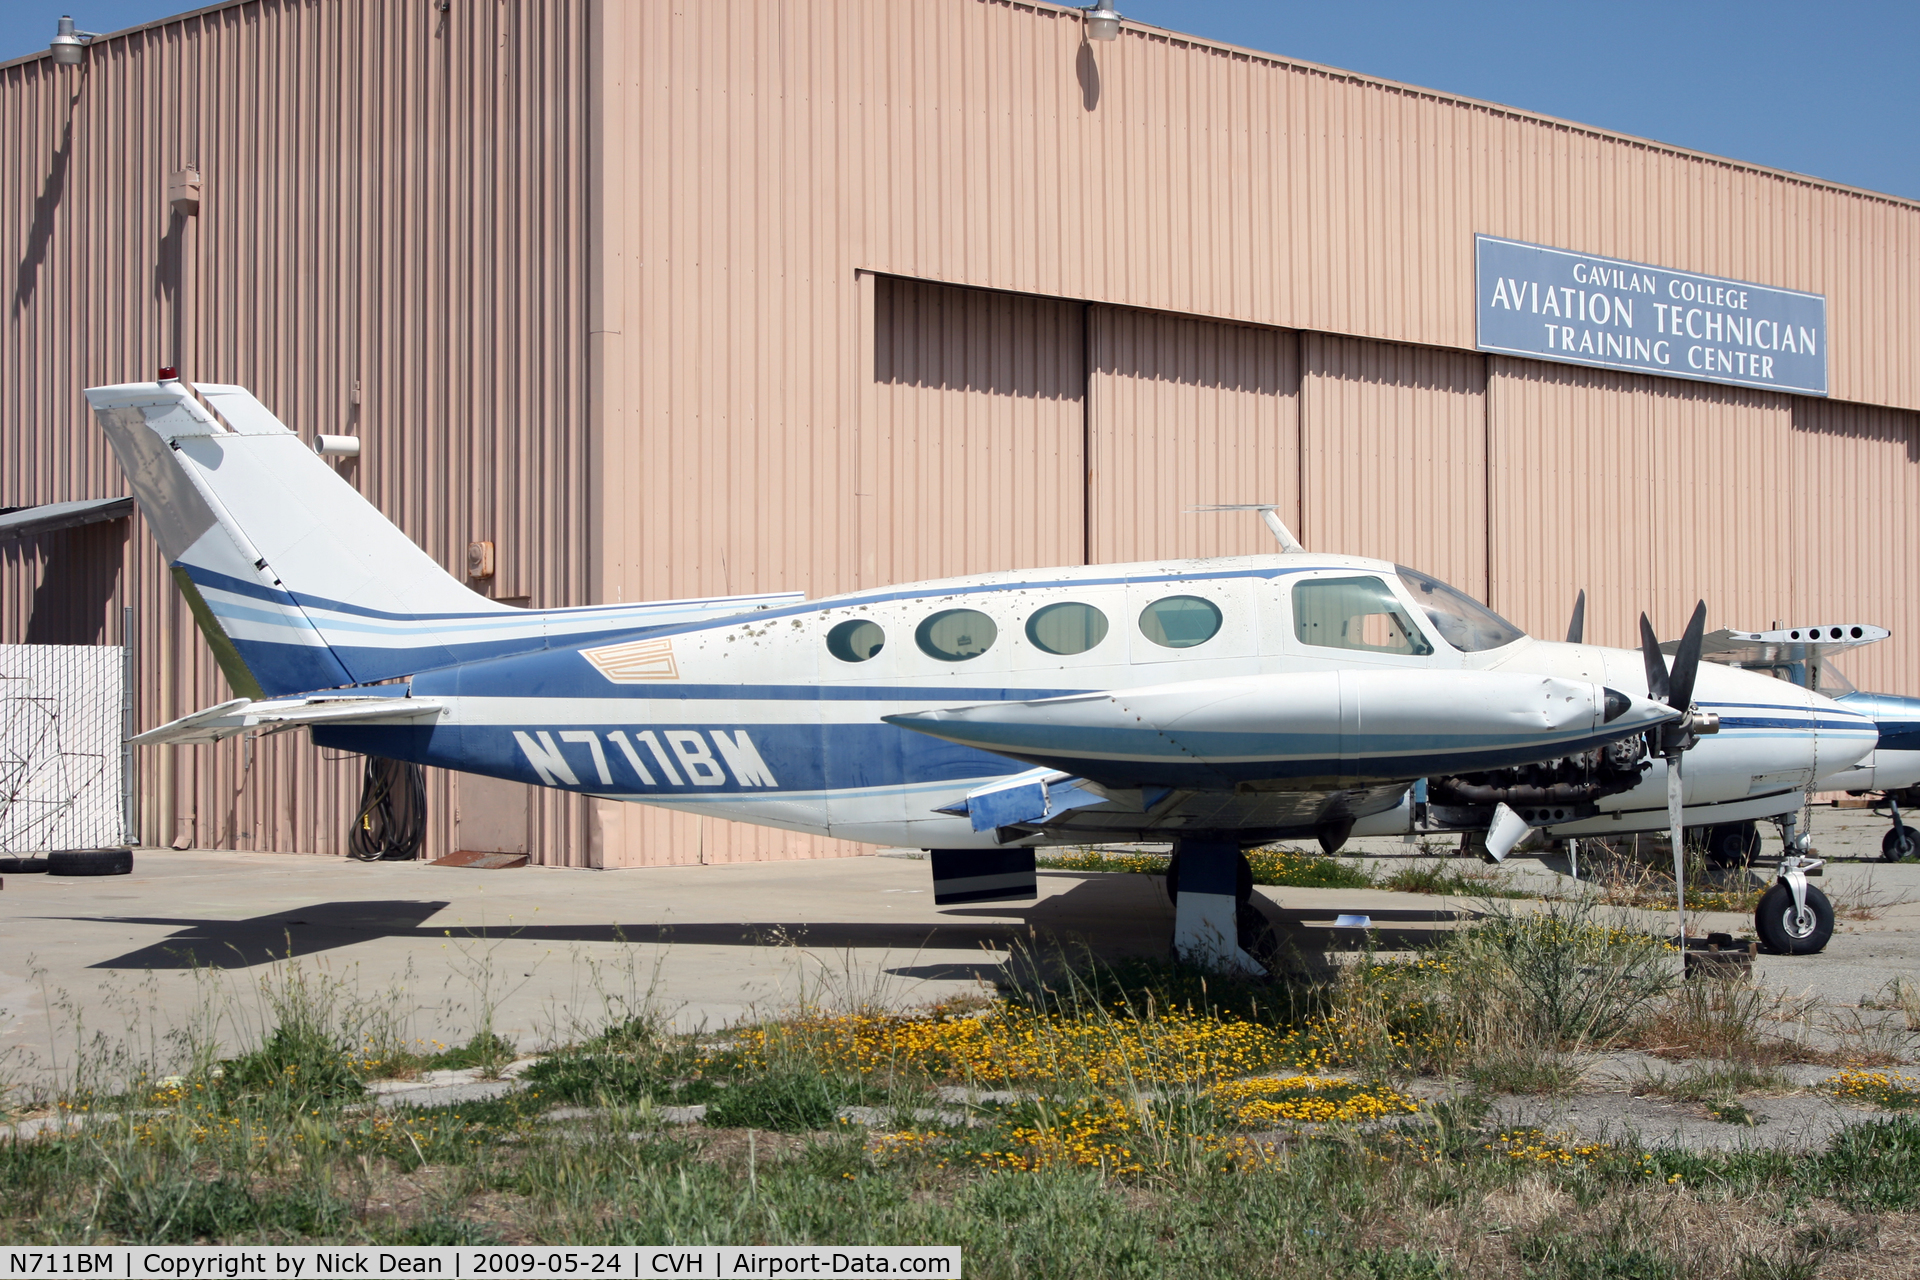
[{"x": 1831, "y": 89}]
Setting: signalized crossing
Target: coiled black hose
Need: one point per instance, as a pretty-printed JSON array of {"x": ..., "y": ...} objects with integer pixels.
[{"x": 392, "y": 822}]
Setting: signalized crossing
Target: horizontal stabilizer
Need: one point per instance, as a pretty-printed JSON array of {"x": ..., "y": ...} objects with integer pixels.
[
  {"x": 241, "y": 714},
  {"x": 1352, "y": 727},
  {"x": 1789, "y": 644}
]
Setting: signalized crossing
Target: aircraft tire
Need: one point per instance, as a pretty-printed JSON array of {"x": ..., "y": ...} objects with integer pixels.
[
  {"x": 90, "y": 862},
  {"x": 1781, "y": 934},
  {"x": 1733, "y": 844},
  {"x": 1899, "y": 843},
  {"x": 22, "y": 866}
]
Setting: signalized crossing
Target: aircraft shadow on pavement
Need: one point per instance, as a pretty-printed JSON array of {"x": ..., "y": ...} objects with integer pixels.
[
  {"x": 1107, "y": 916},
  {"x": 327, "y": 926}
]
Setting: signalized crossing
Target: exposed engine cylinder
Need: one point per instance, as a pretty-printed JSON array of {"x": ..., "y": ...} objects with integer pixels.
[{"x": 1570, "y": 780}]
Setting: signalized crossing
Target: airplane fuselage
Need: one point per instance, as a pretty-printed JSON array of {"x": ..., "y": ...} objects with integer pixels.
[{"x": 775, "y": 717}]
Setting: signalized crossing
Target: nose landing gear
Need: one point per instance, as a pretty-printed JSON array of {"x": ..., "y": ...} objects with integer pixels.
[
  {"x": 1794, "y": 918},
  {"x": 1900, "y": 842}
]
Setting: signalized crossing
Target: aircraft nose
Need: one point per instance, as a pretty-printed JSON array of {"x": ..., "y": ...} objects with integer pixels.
[
  {"x": 1625, "y": 711},
  {"x": 1843, "y": 736}
]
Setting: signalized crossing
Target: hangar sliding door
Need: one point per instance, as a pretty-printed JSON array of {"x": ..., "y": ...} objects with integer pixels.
[
  {"x": 1653, "y": 493},
  {"x": 1394, "y": 455},
  {"x": 1185, "y": 413},
  {"x": 972, "y": 456}
]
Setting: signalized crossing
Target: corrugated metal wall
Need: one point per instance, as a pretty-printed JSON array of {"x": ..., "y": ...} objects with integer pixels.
[
  {"x": 1394, "y": 455},
  {"x": 976, "y": 455},
  {"x": 1653, "y": 493},
  {"x": 390, "y": 243},
  {"x": 986, "y": 143},
  {"x": 1851, "y": 529},
  {"x": 1187, "y": 413}
]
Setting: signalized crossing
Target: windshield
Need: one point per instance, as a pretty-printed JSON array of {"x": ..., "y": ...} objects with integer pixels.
[
  {"x": 1462, "y": 621},
  {"x": 1833, "y": 682}
]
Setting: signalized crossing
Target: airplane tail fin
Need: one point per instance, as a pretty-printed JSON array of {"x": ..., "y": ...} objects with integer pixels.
[{"x": 297, "y": 581}]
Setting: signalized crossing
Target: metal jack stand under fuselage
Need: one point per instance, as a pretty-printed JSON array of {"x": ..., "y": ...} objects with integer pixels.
[{"x": 1205, "y": 884}]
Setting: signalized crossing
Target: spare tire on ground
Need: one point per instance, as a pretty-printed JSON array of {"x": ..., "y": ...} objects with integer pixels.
[
  {"x": 90, "y": 862},
  {"x": 21, "y": 866}
]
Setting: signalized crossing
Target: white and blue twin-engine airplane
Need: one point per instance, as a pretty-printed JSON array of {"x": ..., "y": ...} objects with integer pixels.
[{"x": 1215, "y": 704}]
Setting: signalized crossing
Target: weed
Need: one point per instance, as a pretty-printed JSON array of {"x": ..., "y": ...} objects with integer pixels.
[
  {"x": 1297, "y": 868},
  {"x": 1730, "y": 1020},
  {"x": 1902, "y": 994},
  {"x": 1717, "y": 1082},
  {"x": 484, "y": 1050},
  {"x": 788, "y": 1101},
  {"x": 299, "y": 1061},
  {"x": 1880, "y": 1088},
  {"x": 1263, "y": 1102},
  {"x": 1857, "y": 897},
  {"x": 1451, "y": 880},
  {"x": 170, "y": 1206},
  {"x": 441, "y": 1229},
  {"x": 1734, "y": 1112}
]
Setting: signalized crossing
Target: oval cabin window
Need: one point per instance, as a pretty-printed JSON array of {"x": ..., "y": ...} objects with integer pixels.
[
  {"x": 1067, "y": 628},
  {"x": 1180, "y": 622},
  {"x": 856, "y": 641},
  {"x": 954, "y": 635}
]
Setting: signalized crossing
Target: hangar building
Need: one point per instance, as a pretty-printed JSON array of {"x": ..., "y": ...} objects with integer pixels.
[{"x": 648, "y": 300}]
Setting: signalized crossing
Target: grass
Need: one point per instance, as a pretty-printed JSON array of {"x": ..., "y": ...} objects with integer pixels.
[
  {"x": 1142, "y": 1119},
  {"x": 1305, "y": 869},
  {"x": 1449, "y": 880},
  {"x": 1278, "y": 865}
]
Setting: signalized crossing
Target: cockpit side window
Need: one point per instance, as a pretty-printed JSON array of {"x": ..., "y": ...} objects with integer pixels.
[
  {"x": 1355, "y": 613},
  {"x": 1462, "y": 621}
]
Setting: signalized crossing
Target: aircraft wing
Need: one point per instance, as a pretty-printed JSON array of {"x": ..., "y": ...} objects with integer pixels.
[
  {"x": 241, "y": 714},
  {"x": 1789, "y": 644},
  {"x": 1307, "y": 735}
]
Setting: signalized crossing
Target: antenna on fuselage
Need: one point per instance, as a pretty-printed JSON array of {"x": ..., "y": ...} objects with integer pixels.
[{"x": 1269, "y": 512}]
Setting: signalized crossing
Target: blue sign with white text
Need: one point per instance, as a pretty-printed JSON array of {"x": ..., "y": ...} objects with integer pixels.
[{"x": 1577, "y": 308}]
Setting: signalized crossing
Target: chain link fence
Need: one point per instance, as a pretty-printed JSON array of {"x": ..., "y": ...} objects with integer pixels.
[{"x": 65, "y": 771}]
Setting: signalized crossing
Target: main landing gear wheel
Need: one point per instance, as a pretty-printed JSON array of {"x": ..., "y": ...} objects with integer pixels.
[
  {"x": 1787, "y": 932},
  {"x": 1732, "y": 844},
  {"x": 1899, "y": 843}
]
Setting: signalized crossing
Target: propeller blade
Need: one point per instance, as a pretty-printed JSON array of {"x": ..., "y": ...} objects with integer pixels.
[
  {"x": 1578, "y": 627},
  {"x": 1686, "y": 661},
  {"x": 1679, "y": 846},
  {"x": 1656, "y": 663}
]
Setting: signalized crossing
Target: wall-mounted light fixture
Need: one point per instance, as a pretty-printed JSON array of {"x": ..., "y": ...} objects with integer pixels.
[
  {"x": 68, "y": 45},
  {"x": 1103, "y": 22},
  {"x": 183, "y": 192}
]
